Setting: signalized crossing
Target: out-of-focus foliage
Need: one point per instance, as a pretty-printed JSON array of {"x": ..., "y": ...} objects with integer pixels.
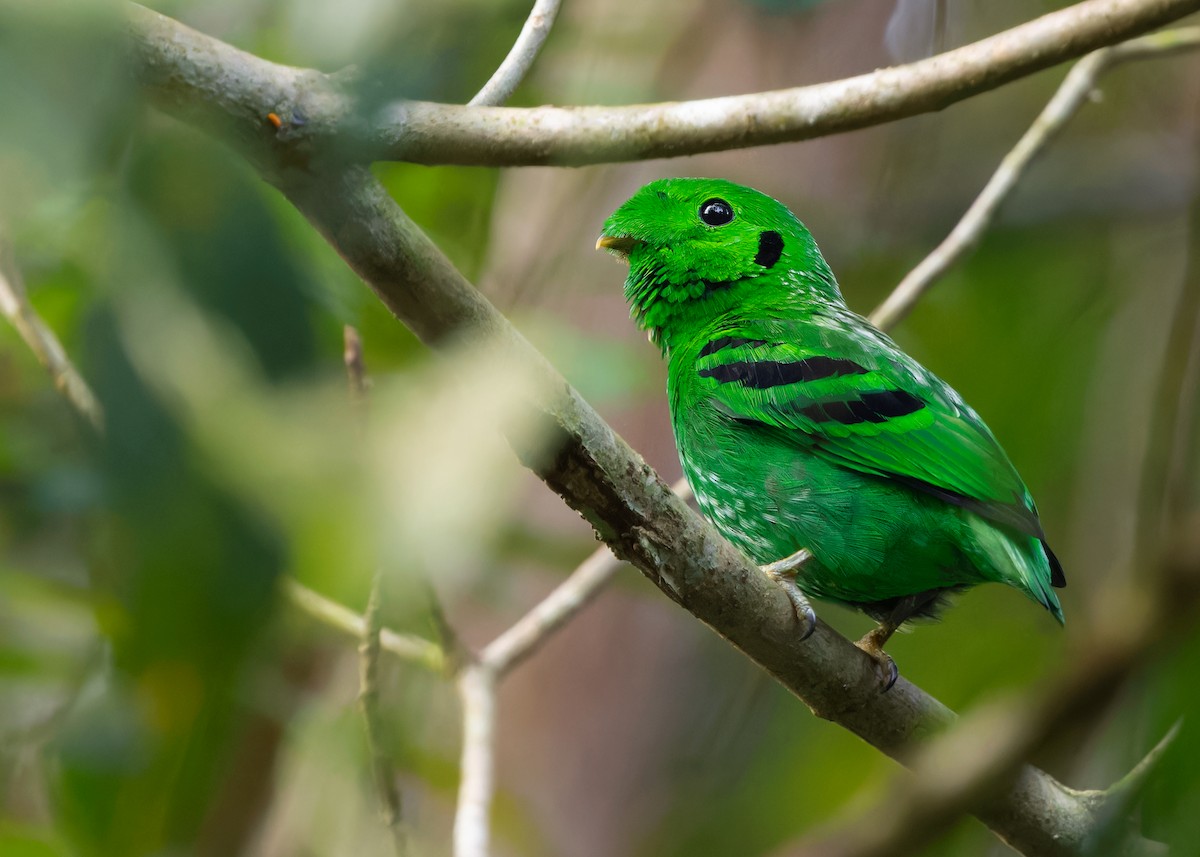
[{"x": 156, "y": 696}]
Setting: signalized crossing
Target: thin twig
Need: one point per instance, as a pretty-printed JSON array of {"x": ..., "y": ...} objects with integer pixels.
[
  {"x": 15, "y": 305},
  {"x": 408, "y": 647},
  {"x": 1121, "y": 796},
  {"x": 529, "y": 632},
  {"x": 516, "y": 65},
  {"x": 455, "y": 653},
  {"x": 473, "y": 819},
  {"x": 391, "y": 808},
  {"x": 472, "y": 831},
  {"x": 390, "y": 805},
  {"x": 477, "y": 691},
  {"x": 1071, "y": 95},
  {"x": 567, "y": 599}
]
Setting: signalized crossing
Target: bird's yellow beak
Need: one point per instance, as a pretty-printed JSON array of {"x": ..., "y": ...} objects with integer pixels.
[{"x": 620, "y": 243}]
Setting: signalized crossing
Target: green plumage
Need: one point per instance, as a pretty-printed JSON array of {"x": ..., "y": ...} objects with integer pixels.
[{"x": 800, "y": 425}]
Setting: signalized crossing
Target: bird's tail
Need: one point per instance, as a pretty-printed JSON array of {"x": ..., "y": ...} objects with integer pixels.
[{"x": 1022, "y": 562}]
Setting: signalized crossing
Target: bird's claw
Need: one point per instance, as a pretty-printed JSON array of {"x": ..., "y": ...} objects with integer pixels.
[
  {"x": 806, "y": 617},
  {"x": 885, "y": 668},
  {"x": 784, "y": 572}
]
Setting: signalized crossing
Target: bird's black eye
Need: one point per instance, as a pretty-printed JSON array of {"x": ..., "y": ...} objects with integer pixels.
[{"x": 716, "y": 212}]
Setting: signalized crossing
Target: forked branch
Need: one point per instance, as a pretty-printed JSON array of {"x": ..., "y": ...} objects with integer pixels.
[{"x": 218, "y": 87}]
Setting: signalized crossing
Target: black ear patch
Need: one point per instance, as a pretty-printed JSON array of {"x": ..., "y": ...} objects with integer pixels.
[{"x": 770, "y": 248}]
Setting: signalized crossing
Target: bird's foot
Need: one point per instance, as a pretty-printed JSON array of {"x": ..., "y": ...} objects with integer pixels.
[
  {"x": 789, "y": 566},
  {"x": 784, "y": 573},
  {"x": 885, "y": 667}
]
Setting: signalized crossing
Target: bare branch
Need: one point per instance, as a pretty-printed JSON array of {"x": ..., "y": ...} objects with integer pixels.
[
  {"x": 455, "y": 654},
  {"x": 1116, "y": 801},
  {"x": 504, "y": 82},
  {"x": 404, "y": 646},
  {"x": 568, "y": 598},
  {"x": 15, "y": 305},
  {"x": 390, "y": 807},
  {"x": 1071, "y": 95},
  {"x": 477, "y": 689},
  {"x": 533, "y": 629},
  {"x": 229, "y": 91}
]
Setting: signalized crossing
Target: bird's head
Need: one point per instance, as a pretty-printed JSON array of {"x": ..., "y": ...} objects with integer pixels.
[{"x": 701, "y": 249}]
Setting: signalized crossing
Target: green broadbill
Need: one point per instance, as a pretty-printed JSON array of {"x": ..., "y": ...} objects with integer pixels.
[{"x": 804, "y": 431}]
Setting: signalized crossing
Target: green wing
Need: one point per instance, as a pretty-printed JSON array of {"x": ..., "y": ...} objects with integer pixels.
[{"x": 845, "y": 392}]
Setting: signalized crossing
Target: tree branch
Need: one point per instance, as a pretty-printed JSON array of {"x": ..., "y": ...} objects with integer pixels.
[
  {"x": 1071, "y": 95},
  {"x": 477, "y": 689},
  {"x": 226, "y": 90},
  {"x": 390, "y": 806},
  {"x": 15, "y": 306},
  {"x": 586, "y": 462},
  {"x": 480, "y": 676},
  {"x": 344, "y": 620},
  {"x": 504, "y": 82}
]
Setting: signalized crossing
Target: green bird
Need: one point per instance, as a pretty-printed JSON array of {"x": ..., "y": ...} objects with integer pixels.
[{"x": 810, "y": 440}]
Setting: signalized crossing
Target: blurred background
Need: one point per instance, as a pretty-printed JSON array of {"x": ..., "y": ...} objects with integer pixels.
[{"x": 156, "y": 694}]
